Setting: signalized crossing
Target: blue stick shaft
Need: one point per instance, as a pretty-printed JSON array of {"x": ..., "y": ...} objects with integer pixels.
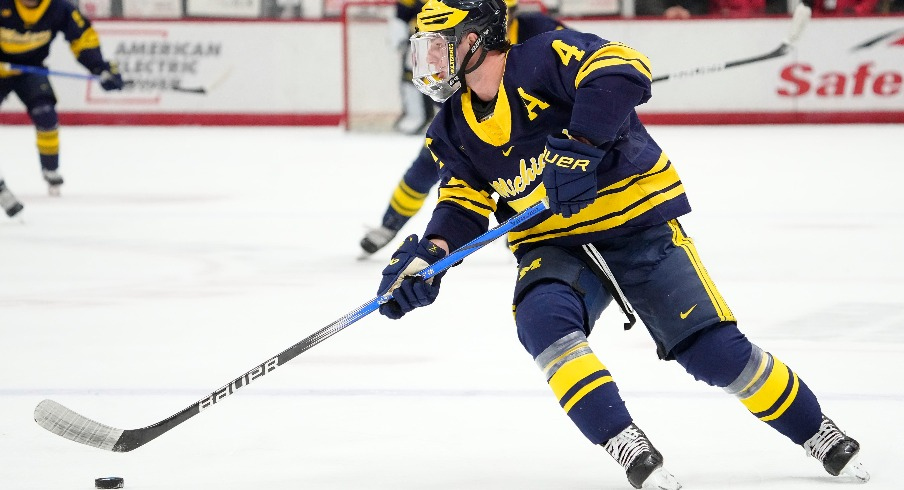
[
  {"x": 471, "y": 247},
  {"x": 37, "y": 70}
]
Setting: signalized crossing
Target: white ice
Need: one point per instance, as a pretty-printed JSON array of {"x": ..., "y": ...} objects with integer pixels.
[{"x": 179, "y": 258}]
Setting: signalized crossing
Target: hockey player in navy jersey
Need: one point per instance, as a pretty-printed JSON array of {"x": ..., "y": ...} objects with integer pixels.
[
  {"x": 410, "y": 193},
  {"x": 27, "y": 27},
  {"x": 554, "y": 118}
]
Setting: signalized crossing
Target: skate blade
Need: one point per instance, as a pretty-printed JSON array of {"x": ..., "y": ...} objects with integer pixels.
[
  {"x": 54, "y": 191},
  {"x": 661, "y": 479},
  {"x": 855, "y": 470}
]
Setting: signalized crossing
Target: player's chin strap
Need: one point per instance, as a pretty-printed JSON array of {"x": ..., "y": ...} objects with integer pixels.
[{"x": 460, "y": 76}]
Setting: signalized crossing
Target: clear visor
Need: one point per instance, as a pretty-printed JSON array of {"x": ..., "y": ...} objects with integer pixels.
[{"x": 433, "y": 64}]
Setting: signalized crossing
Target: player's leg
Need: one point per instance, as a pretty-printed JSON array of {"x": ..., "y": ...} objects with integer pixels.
[
  {"x": 722, "y": 356},
  {"x": 696, "y": 327},
  {"x": 407, "y": 199},
  {"x": 37, "y": 95},
  {"x": 553, "y": 319},
  {"x": 11, "y": 206}
]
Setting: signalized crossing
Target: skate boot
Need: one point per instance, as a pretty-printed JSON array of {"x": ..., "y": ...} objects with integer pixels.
[
  {"x": 54, "y": 181},
  {"x": 836, "y": 451},
  {"x": 376, "y": 238},
  {"x": 641, "y": 461},
  {"x": 8, "y": 201}
]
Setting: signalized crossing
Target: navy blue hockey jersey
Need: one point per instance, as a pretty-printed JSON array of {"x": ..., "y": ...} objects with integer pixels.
[
  {"x": 26, "y": 34},
  {"x": 560, "y": 80}
]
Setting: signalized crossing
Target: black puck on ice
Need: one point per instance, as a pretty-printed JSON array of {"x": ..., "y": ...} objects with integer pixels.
[{"x": 109, "y": 482}]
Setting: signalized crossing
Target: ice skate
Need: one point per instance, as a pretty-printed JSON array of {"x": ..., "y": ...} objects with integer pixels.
[
  {"x": 54, "y": 181},
  {"x": 375, "y": 239},
  {"x": 8, "y": 201},
  {"x": 642, "y": 462},
  {"x": 837, "y": 452}
]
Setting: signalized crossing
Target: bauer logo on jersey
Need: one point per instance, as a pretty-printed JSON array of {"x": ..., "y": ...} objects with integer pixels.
[{"x": 531, "y": 267}]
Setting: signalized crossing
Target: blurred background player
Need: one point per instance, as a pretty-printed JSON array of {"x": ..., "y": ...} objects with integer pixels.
[
  {"x": 411, "y": 192},
  {"x": 27, "y": 27},
  {"x": 417, "y": 108}
]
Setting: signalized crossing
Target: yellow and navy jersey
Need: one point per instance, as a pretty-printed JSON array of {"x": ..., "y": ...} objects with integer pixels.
[
  {"x": 26, "y": 33},
  {"x": 555, "y": 81}
]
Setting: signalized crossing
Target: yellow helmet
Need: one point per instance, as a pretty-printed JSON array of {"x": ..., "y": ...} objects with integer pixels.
[{"x": 460, "y": 17}]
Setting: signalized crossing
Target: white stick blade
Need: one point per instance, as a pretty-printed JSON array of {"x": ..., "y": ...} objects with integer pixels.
[
  {"x": 66, "y": 423},
  {"x": 799, "y": 21}
]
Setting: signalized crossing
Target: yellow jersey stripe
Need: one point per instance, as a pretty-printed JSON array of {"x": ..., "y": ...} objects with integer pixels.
[
  {"x": 769, "y": 393},
  {"x": 406, "y": 201},
  {"x": 615, "y": 205},
  {"x": 88, "y": 40},
  {"x": 687, "y": 244},
  {"x": 613, "y": 54},
  {"x": 787, "y": 403},
  {"x": 460, "y": 193},
  {"x": 48, "y": 142},
  {"x": 572, "y": 372},
  {"x": 583, "y": 392}
]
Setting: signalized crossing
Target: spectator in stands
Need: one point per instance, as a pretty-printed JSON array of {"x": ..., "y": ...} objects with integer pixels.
[
  {"x": 891, "y": 7},
  {"x": 671, "y": 9},
  {"x": 685, "y": 9},
  {"x": 845, "y": 7}
]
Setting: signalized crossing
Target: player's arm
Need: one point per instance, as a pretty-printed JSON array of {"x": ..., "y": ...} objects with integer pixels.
[
  {"x": 605, "y": 80},
  {"x": 461, "y": 214},
  {"x": 85, "y": 45},
  {"x": 463, "y": 205}
]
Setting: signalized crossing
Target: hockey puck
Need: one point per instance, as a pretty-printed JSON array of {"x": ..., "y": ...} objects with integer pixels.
[{"x": 109, "y": 482}]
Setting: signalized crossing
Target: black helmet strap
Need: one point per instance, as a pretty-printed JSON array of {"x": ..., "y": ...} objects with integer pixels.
[{"x": 460, "y": 76}]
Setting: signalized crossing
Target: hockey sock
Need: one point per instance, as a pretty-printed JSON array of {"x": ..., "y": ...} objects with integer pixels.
[
  {"x": 722, "y": 356},
  {"x": 46, "y": 124},
  {"x": 550, "y": 326}
]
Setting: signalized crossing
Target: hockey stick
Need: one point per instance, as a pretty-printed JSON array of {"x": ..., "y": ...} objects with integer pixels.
[
  {"x": 799, "y": 21},
  {"x": 66, "y": 423},
  {"x": 37, "y": 70}
]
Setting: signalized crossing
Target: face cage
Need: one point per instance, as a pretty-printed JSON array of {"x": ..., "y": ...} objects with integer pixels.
[{"x": 433, "y": 65}]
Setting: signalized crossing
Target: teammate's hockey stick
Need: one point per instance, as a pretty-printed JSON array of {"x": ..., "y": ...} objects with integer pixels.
[
  {"x": 37, "y": 70},
  {"x": 66, "y": 423},
  {"x": 799, "y": 21}
]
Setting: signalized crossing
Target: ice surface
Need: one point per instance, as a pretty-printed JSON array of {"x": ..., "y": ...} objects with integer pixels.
[{"x": 179, "y": 258}]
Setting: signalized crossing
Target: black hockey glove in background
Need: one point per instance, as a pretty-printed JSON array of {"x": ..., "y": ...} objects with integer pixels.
[
  {"x": 570, "y": 174},
  {"x": 109, "y": 76},
  {"x": 410, "y": 292}
]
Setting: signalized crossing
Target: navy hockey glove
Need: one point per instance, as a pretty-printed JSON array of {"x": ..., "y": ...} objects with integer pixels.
[
  {"x": 109, "y": 77},
  {"x": 409, "y": 291},
  {"x": 570, "y": 174}
]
